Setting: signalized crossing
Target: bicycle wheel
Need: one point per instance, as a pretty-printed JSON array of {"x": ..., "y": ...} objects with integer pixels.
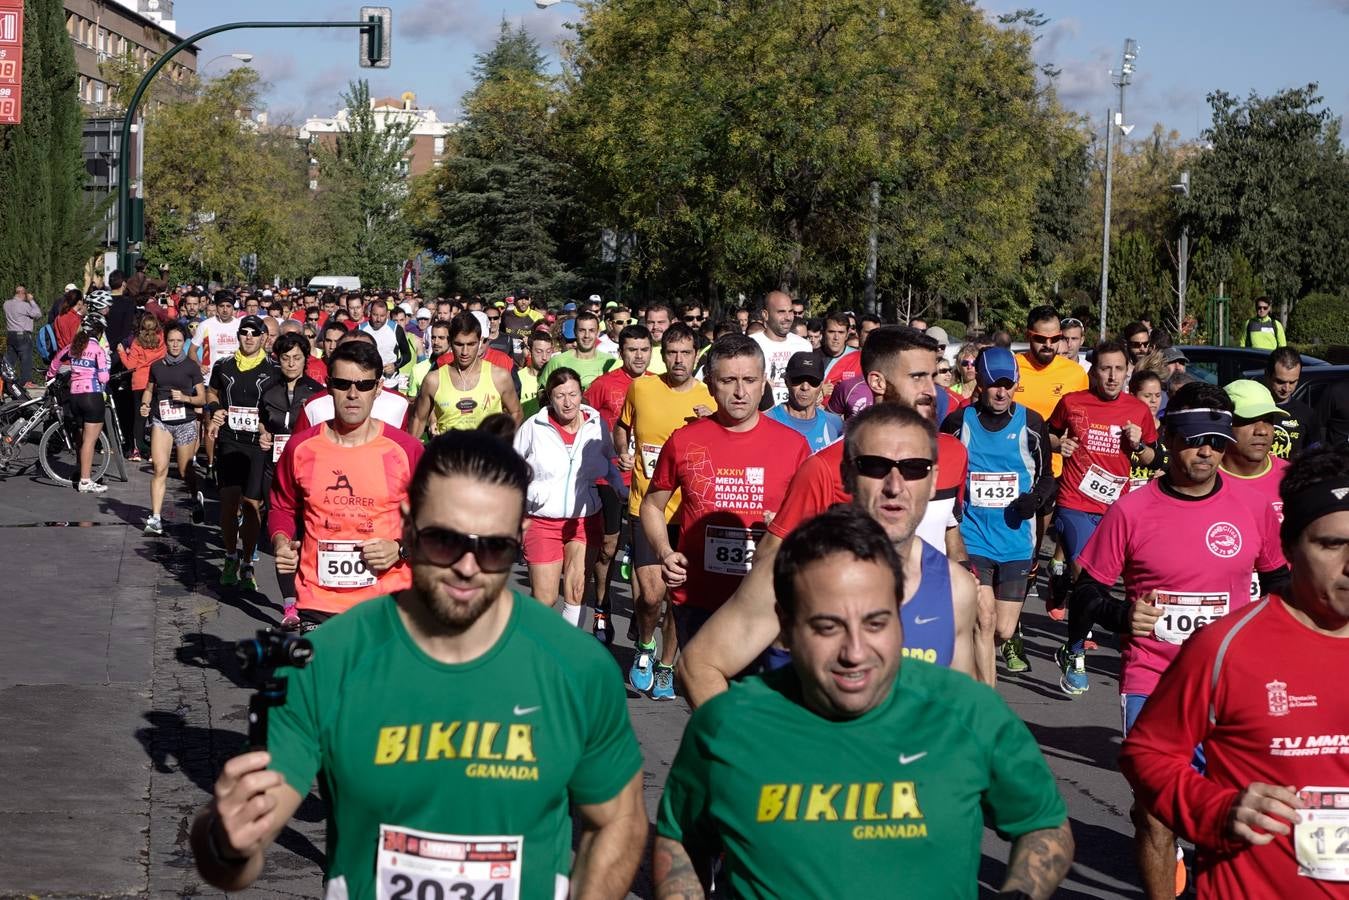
[{"x": 60, "y": 458}]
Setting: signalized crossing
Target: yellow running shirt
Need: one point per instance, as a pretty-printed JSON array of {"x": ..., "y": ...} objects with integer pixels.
[
  {"x": 652, "y": 412},
  {"x": 465, "y": 409}
]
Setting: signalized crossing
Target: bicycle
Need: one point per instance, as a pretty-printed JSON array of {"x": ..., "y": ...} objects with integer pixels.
[{"x": 59, "y": 445}]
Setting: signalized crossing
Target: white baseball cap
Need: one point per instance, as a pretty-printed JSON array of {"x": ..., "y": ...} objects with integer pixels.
[
  {"x": 423, "y": 313},
  {"x": 71, "y": 287},
  {"x": 482, "y": 320}
]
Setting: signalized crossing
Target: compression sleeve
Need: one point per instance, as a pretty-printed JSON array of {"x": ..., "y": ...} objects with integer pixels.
[
  {"x": 402, "y": 356},
  {"x": 1043, "y": 485},
  {"x": 1091, "y": 604}
]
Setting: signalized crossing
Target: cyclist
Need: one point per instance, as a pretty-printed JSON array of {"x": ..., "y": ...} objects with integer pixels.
[
  {"x": 465, "y": 390},
  {"x": 607, "y": 395},
  {"x": 1186, "y": 545},
  {"x": 854, "y": 765},
  {"x": 333, "y": 519},
  {"x": 801, "y": 411},
  {"x": 731, "y": 470},
  {"x": 1258, "y": 691},
  {"x": 233, "y": 399},
  {"x": 281, "y": 405},
  {"x": 652, "y": 411},
  {"x": 454, "y": 724},
  {"x": 87, "y": 362},
  {"x": 173, "y": 393},
  {"x": 568, "y": 448},
  {"x": 1009, "y": 481}
]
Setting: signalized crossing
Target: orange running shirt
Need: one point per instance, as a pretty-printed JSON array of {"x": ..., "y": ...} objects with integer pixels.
[
  {"x": 335, "y": 497},
  {"x": 1041, "y": 389}
]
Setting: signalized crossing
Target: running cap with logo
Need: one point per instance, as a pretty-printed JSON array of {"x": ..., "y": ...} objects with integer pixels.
[
  {"x": 1197, "y": 423},
  {"x": 995, "y": 365},
  {"x": 594, "y": 298},
  {"x": 423, "y": 313},
  {"x": 254, "y": 322},
  {"x": 569, "y": 329},
  {"x": 569, "y": 307},
  {"x": 482, "y": 321},
  {"x": 1252, "y": 400},
  {"x": 804, "y": 364}
]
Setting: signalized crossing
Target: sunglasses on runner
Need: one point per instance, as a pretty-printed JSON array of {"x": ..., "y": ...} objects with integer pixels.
[
  {"x": 1214, "y": 441},
  {"x": 967, "y": 364},
  {"x": 1045, "y": 338},
  {"x": 445, "y": 547},
  {"x": 912, "y": 469},
  {"x": 249, "y": 332},
  {"x": 1070, "y": 323},
  {"x": 364, "y": 385}
]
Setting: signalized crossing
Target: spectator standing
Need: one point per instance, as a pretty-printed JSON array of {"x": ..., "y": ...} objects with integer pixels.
[
  {"x": 143, "y": 351},
  {"x": 1262, "y": 331},
  {"x": 21, "y": 311}
]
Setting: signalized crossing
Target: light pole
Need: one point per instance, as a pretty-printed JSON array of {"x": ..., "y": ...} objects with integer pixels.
[
  {"x": 1182, "y": 188},
  {"x": 242, "y": 55},
  {"x": 1122, "y": 79}
]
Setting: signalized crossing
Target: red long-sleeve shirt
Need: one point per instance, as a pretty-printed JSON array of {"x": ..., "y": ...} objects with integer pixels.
[{"x": 1261, "y": 692}]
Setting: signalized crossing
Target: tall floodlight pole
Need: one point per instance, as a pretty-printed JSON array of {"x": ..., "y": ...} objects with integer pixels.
[{"x": 1122, "y": 80}]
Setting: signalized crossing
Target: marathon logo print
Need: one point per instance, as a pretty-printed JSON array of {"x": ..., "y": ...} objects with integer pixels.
[
  {"x": 889, "y": 811},
  {"x": 493, "y": 752}
]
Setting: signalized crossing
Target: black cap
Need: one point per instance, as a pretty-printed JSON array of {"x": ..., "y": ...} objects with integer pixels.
[
  {"x": 254, "y": 322},
  {"x": 804, "y": 364}
]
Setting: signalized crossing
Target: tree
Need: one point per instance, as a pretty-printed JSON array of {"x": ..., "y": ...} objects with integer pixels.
[
  {"x": 499, "y": 200},
  {"x": 46, "y": 225},
  {"x": 364, "y": 180},
  {"x": 1276, "y": 187}
]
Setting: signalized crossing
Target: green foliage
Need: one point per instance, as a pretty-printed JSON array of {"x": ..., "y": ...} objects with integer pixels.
[
  {"x": 47, "y": 229},
  {"x": 955, "y": 330},
  {"x": 498, "y": 203},
  {"x": 1318, "y": 318}
]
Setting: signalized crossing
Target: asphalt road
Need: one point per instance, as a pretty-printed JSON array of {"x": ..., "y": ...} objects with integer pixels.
[{"x": 120, "y": 700}]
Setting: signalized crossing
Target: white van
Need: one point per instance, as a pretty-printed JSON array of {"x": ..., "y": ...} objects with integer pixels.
[{"x": 337, "y": 282}]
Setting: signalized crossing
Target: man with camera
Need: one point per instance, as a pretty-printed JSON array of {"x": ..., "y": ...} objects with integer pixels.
[{"x": 453, "y": 723}]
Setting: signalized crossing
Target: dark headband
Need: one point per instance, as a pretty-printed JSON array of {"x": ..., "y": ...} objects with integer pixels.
[{"x": 1310, "y": 504}]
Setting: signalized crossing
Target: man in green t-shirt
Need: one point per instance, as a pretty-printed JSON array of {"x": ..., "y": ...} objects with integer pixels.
[
  {"x": 451, "y": 725},
  {"x": 586, "y": 361},
  {"x": 881, "y": 775}
]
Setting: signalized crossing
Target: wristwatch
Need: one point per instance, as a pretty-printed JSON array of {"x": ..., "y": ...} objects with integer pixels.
[{"x": 402, "y": 549}]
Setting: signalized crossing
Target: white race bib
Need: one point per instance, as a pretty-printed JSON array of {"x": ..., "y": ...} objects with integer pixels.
[
  {"x": 729, "y": 551},
  {"x": 172, "y": 412},
  {"x": 1255, "y": 586},
  {"x": 278, "y": 444},
  {"x": 993, "y": 489},
  {"x": 1099, "y": 485},
  {"x": 341, "y": 566},
  {"x": 650, "y": 453},
  {"x": 1185, "y": 613},
  {"x": 1137, "y": 484},
  {"x": 1321, "y": 839},
  {"x": 422, "y": 865},
  {"x": 243, "y": 418}
]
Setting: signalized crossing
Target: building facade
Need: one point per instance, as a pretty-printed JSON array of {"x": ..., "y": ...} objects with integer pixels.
[
  {"x": 429, "y": 133},
  {"x": 105, "y": 30}
]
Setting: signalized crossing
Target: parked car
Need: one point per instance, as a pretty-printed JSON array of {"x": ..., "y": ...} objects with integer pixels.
[
  {"x": 1315, "y": 380},
  {"x": 1222, "y": 365}
]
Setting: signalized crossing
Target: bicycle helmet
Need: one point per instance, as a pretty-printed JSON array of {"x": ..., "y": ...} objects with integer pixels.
[
  {"x": 95, "y": 322},
  {"x": 98, "y": 301}
]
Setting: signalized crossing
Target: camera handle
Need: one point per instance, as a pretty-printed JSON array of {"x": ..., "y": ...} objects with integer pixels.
[{"x": 272, "y": 692}]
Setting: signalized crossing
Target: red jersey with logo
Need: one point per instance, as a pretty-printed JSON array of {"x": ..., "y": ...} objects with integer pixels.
[
  {"x": 1198, "y": 554},
  {"x": 841, "y": 368},
  {"x": 1260, "y": 691},
  {"x": 335, "y": 497},
  {"x": 607, "y": 393},
  {"x": 729, "y": 480},
  {"x": 819, "y": 485},
  {"x": 1097, "y": 473}
]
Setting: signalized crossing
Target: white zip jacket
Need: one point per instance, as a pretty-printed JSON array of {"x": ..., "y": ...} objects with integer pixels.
[{"x": 563, "y": 483}]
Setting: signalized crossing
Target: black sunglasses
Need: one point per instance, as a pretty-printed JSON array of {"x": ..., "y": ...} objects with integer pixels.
[
  {"x": 1140, "y": 344},
  {"x": 912, "y": 469},
  {"x": 1215, "y": 441},
  {"x": 345, "y": 384},
  {"x": 813, "y": 382},
  {"x": 445, "y": 547}
]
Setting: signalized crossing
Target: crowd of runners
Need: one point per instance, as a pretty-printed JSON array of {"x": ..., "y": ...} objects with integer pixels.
[{"x": 828, "y": 528}]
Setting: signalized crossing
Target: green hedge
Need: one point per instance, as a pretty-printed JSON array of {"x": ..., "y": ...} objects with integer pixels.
[
  {"x": 954, "y": 330},
  {"x": 1318, "y": 319}
]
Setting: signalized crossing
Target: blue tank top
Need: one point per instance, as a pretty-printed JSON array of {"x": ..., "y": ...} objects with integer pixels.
[
  {"x": 929, "y": 617},
  {"x": 987, "y": 525}
]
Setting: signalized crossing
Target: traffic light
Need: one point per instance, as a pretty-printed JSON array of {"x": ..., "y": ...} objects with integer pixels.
[{"x": 377, "y": 39}]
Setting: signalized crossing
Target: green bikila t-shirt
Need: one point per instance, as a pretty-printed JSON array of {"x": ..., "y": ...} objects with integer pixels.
[
  {"x": 890, "y": 804},
  {"x": 456, "y": 774},
  {"x": 588, "y": 369}
]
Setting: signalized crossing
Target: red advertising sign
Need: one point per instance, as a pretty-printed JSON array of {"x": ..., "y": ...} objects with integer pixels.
[{"x": 11, "y": 61}]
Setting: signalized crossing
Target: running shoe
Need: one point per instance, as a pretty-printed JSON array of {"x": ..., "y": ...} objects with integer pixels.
[
  {"x": 1060, "y": 583},
  {"x": 1014, "y": 654},
  {"x": 602, "y": 628},
  {"x": 1074, "y": 667},
  {"x": 135, "y": 456},
  {"x": 91, "y": 487},
  {"x": 198, "y": 508},
  {"x": 229, "y": 575},
  {"x": 247, "y": 580},
  {"x": 664, "y": 687},
  {"x": 256, "y": 552},
  {"x": 640, "y": 675},
  {"x": 154, "y": 525}
]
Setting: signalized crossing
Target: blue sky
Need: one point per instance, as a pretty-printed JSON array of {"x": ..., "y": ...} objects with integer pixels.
[{"x": 1188, "y": 48}]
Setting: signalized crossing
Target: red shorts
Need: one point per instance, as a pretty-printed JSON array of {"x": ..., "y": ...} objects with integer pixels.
[{"x": 545, "y": 538}]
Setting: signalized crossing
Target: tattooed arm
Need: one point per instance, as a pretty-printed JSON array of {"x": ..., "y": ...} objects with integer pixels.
[
  {"x": 673, "y": 872},
  {"x": 1039, "y": 861}
]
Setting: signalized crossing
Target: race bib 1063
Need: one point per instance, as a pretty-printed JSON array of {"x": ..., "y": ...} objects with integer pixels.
[
  {"x": 1185, "y": 613},
  {"x": 422, "y": 865},
  {"x": 243, "y": 418},
  {"x": 1321, "y": 839},
  {"x": 729, "y": 551},
  {"x": 993, "y": 489},
  {"x": 341, "y": 566},
  {"x": 1099, "y": 485}
]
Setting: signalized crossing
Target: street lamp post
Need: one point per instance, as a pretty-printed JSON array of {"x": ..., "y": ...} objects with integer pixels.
[
  {"x": 1182, "y": 188},
  {"x": 242, "y": 56},
  {"x": 1122, "y": 80}
]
